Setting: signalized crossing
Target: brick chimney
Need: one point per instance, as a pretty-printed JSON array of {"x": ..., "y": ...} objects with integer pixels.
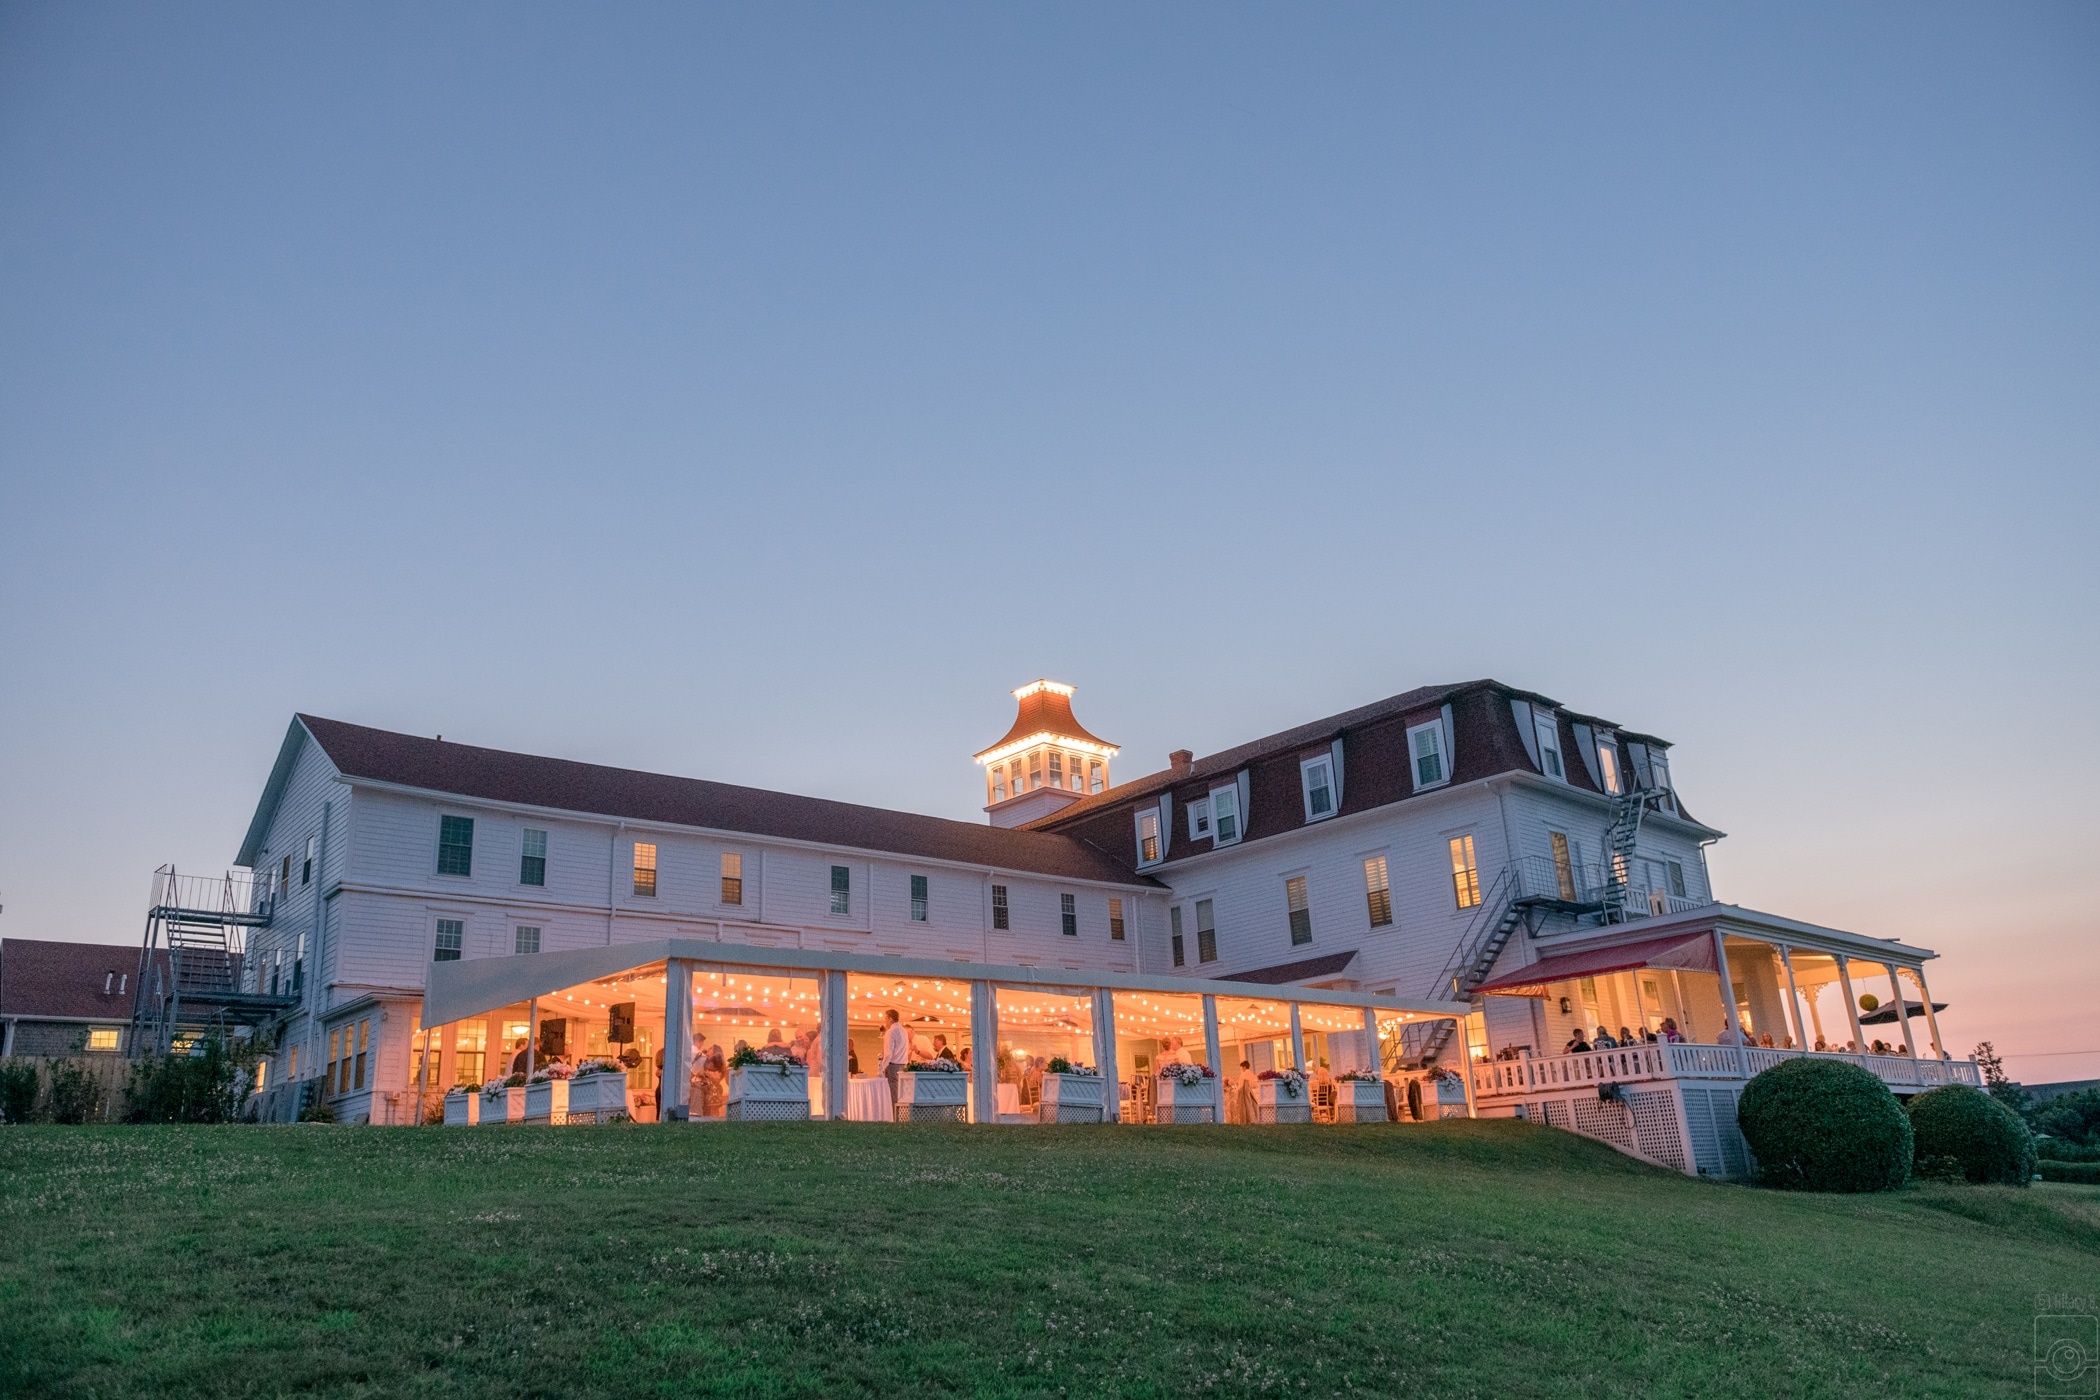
[{"x": 1180, "y": 762}]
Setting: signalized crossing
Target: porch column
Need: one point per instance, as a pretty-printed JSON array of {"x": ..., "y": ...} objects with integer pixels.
[
  {"x": 532, "y": 1035},
  {"x": 833, "y": 1031},
  {"x": 1910, "y": 1043},
  {"x": 1297, "y": 1040},
  {"x": 1728, "y": 996},
  {"x": 1465, "y": 1068},
  {"x": 984, "y": 1050},
  {"x": 1815, "y": 1015},
  {"x": 1932, "y": 1020},
  {"x": 1215, "y": 1051},
  {"x": 1793, "y": 1001},
  {"x": 1105, "y": 1054},
  {"x": 1374, "y": 1057},
  {"x": 1859, "y": 1037},
  {"x": 678, "y": 1042}
]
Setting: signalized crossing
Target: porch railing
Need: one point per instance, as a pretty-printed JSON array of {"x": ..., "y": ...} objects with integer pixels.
[{"x": 1633, "y": 1063}]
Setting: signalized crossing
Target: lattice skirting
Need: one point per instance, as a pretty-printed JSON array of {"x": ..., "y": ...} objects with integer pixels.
[
  {"x": 1185, "y": 1113},
  {"x": 1606, "y": 1122},
  {"x": 1283, "y": 1113},
  {"x": 1347, "y": 1112},
  {"x": 768, "y": 1111},
  {"x": 1655, "y": 1126},
  {"x": 933, "y": 1113},
  {"x": 1076, "y": 1113}
]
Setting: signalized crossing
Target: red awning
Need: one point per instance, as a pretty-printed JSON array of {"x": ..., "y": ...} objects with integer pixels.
[{"x": 1685, "y": 952}]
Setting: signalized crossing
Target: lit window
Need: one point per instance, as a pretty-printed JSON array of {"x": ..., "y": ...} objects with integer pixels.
[
  {"x": 1002, "y": 916},
  {"x": 262, "y": 1075},
  {"x": 455, "y": 847},
  {"x": 645, "y": 868},
  {"x": 1057, "y": 769},
  {"x": 1068, "y": 914},
  {"x": 1426, "y": 743},
  {"x": 1377, "y": 893},
  {"x": 1563, "y": 864},
  {"x": 1093, "y": 776},
  {"x": 1148, "y": 836},
  {"x": 102, "y": 1038},
  {"x": 1548, "y": 730},
  {"x": 1465, "y": 872},
  {"x": 1608, "y": 764},
  {"x": 451, "y": 935},
  {"x": 998, "y": 782},
  {"x": 1174, "y": 924},
  {"x": 1300, "y": 912},
  {"x": 364, "y": 1029},
  {"x": 1115, "y": 919},
  {"x": 1317, "y": 776},
  {"x": 1199, "y": 820},
  {"x": 918, "y": 899},
  {"x": 1035, "y": 770},
  {"x": 732, "y": 878},
  {"x": 1225, "y": 816},
  {"x": 841, "y": 889},
  {"x": 528, "y": 940},
  {"x": 1206, "y": 932},
  {"x": 532, "y": 865}
]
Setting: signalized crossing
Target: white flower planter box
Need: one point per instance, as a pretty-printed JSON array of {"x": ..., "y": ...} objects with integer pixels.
[
  {"x": 1186, "y": 1103},
  {"x": 1451, "y": 1098},
  {"x": 463, "y": 1110},
  {"x": 507, "y": 1107},
  {"x": 1072, "y": 1098},
  {"x": 1359, "y": 1101},
  {"x": 1274, "y": 1103},
  {"x": 547, "y": 1101},
  {"x": 597, "y": 1097},
  {"x": 776, "y": 1092},
  {"x": 933, "y": 1097}
]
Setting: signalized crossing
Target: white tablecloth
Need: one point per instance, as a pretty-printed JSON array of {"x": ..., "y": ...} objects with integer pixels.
[{"x": 868, "y": 1100}]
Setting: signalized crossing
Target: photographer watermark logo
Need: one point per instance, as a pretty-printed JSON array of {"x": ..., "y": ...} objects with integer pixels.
[{"x": 2067, "y": 1348}]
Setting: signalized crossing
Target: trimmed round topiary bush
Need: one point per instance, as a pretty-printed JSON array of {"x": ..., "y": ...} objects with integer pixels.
[
  {"x": 1970, "y": 1136},
  {"x": 1825, "y": 1125}
]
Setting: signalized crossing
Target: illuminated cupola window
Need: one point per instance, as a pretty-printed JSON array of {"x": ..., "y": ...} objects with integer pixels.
[{"x": 1047, "y": 761}]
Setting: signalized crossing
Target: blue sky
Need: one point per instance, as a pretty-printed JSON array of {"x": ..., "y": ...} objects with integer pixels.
[{"x": 761, "y": 393}]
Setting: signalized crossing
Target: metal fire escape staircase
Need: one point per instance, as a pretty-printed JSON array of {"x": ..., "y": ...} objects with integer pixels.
[
  {"x": 1508, "y": 905},
  {"x": 192, "y": 963}
]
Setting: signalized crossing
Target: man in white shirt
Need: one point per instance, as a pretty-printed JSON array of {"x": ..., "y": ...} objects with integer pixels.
[{"x": 896, "y": 1049}]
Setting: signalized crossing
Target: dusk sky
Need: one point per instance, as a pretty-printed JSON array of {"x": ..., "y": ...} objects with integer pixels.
[{"x": 762, "y": 393}]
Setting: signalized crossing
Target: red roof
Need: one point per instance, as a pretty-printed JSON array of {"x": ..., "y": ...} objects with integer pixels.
[
  {"x": 40, "y": 977},
  {"x": 432, "y": 765},
  {"x": 1046, "y": 708},
  {"x": 1686, "y": 952}
]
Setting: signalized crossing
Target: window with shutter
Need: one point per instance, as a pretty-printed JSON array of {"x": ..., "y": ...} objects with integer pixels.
[
  {"x": 1224, "y": 816},
  {"x": 1001, "y": 914},
  {"x": 1425, "y": 742},
  {"x": 1317, "y": 777},
  {"x": 1300, "y": 910},
  {"x": 1115, "y": 919},
  {"x": 1549, "y": 745},
  {"x": 732, "y": 877},
  {"x": 1378, "y": 893},
  {"x": 1465, "y": 872},
  {"x": 1068, "y": 915},
  {"x": 1148, "y": 836},
  {"x": 645, "y": 869}
]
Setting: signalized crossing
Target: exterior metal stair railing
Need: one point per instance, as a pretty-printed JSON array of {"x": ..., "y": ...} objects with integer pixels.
[
  {"x": 1492, "y": 926},
  {"x": 1627, "y": 810}
]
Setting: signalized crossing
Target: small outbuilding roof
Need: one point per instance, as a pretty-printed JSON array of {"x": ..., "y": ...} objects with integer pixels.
[{"x": 68, "y": 981}]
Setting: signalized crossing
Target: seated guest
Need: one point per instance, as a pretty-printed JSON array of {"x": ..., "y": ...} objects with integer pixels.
[
  {"x": 1580, "y": 1045},
  {"x": 1627, "y": 1037},
  {"x": 1670, "y": 1033},
  {"x": 941, "y": 1050},
  {"x": 964, "y": 1058},
  {"x": 1603, "y": 1040},
  {"x": 1820, "y": 1046},
  {"x": 773, "y": 1036}
]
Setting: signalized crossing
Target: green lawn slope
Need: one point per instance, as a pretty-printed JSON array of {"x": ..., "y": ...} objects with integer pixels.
[{"x": 1455, "y": 1259}]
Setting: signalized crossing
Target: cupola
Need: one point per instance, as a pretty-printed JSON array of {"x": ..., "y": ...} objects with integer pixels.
[{"x": 1046, "y": 762}]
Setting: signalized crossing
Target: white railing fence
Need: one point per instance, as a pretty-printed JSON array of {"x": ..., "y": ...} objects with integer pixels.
[{"x": 1532, "y": 1074}]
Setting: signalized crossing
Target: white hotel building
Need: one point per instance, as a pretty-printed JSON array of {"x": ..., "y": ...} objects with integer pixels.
[{"x": 1458, "y": 878}]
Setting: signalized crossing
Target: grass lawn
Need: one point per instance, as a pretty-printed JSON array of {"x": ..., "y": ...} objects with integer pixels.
[{"x": 1489, "y": 1259}]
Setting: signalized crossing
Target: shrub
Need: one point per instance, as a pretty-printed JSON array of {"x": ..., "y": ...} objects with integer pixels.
[
  {"x": 200, "y": 1088},
  {"x": 1985, "y": 1140},
  {"x": 1825, "y": 1125},
  {"x": 18, "y": 1092},
  {"x": 2051, "y": 1149},
  {"x": 2082, "y": 1173},
  {"x": 76, "y": 1095},
  {"x": 2074, "y": 1117}
]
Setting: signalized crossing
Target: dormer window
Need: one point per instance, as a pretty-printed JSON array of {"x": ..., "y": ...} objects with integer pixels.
[
  {"x": 1316, "y": 775},
  {"x": 1199, "y": 820},
  {"x": 1057, "y": 769},
  {"x": 1548, "y": 729},
  {"x": 1425, "y": 746},
  {"x": 1660, "y": 767},
  {"x": 1224, "y": 816},
  {"x": 1148, "y": 846},
  {"x": 1608, "y": 764}
]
